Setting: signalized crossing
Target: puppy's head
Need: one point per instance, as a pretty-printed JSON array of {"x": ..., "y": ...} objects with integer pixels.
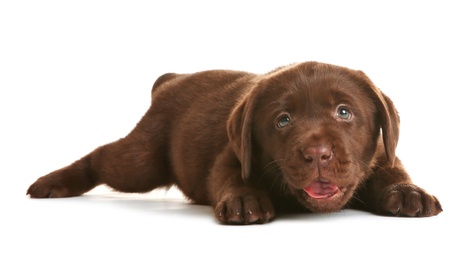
[{"x": 316, "y": 128}]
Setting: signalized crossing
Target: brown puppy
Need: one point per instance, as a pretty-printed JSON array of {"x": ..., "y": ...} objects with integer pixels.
[{"x": 306, "y": 137}]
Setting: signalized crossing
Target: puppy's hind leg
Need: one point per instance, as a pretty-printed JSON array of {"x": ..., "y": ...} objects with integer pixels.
[
  {"x": 135, "y": 163},
  {"x": 69, "y": 181},
  {"x": 132, "y": 165}
]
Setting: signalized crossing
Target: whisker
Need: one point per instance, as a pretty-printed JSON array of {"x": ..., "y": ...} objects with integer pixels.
[{"x": 274, "y": 168}]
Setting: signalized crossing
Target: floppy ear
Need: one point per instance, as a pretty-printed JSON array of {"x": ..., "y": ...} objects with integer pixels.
[
  {"x": 389, "y": 121},
  {"x": 388, "y": 118},
  {"x": 239, "y": 129}
]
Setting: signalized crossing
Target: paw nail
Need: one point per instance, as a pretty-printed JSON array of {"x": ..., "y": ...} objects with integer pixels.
[{"x": 396, "y": 211}]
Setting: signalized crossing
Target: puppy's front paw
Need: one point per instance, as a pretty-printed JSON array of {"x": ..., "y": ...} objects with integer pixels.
[
  {"x": 408, "y": 200},
  {"x": 245, "y": 208}
]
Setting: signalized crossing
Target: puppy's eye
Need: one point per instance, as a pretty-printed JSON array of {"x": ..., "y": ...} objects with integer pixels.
[
  {"x": 283, "y": 121},
  {"x": 343, "y": 113}
]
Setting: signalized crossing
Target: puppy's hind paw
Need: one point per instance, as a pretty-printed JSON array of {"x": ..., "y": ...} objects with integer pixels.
[
  {"x": 66, "y": 182},
  {"x": 49, "y": 187}
]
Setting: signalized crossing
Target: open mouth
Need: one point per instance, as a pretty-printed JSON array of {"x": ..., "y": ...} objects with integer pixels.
[{"x": 322, "y": 189}]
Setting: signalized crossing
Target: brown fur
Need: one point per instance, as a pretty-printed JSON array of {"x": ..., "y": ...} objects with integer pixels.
[{"x": 306, "y": 137}]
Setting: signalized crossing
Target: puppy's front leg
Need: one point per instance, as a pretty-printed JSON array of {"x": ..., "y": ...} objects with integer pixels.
[
  {"x": 390, "y": 191},
  {"x": 235, "y": 201}
]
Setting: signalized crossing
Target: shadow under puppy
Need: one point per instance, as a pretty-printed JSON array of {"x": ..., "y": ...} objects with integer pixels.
[{"x": 305, "y": 137}]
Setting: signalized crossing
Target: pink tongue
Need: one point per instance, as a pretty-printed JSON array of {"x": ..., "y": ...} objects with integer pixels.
[{"x": 321, "y": 190}]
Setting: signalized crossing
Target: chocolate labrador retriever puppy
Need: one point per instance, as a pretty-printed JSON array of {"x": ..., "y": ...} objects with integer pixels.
[{"x": 305, "y": 137}]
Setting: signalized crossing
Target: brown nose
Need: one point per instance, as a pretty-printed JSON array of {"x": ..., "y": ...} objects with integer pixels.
[{"x": 320, "y": 153}]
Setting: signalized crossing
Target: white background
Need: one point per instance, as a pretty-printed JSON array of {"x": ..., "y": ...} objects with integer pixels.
[{"x": 74, "y": 76}]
